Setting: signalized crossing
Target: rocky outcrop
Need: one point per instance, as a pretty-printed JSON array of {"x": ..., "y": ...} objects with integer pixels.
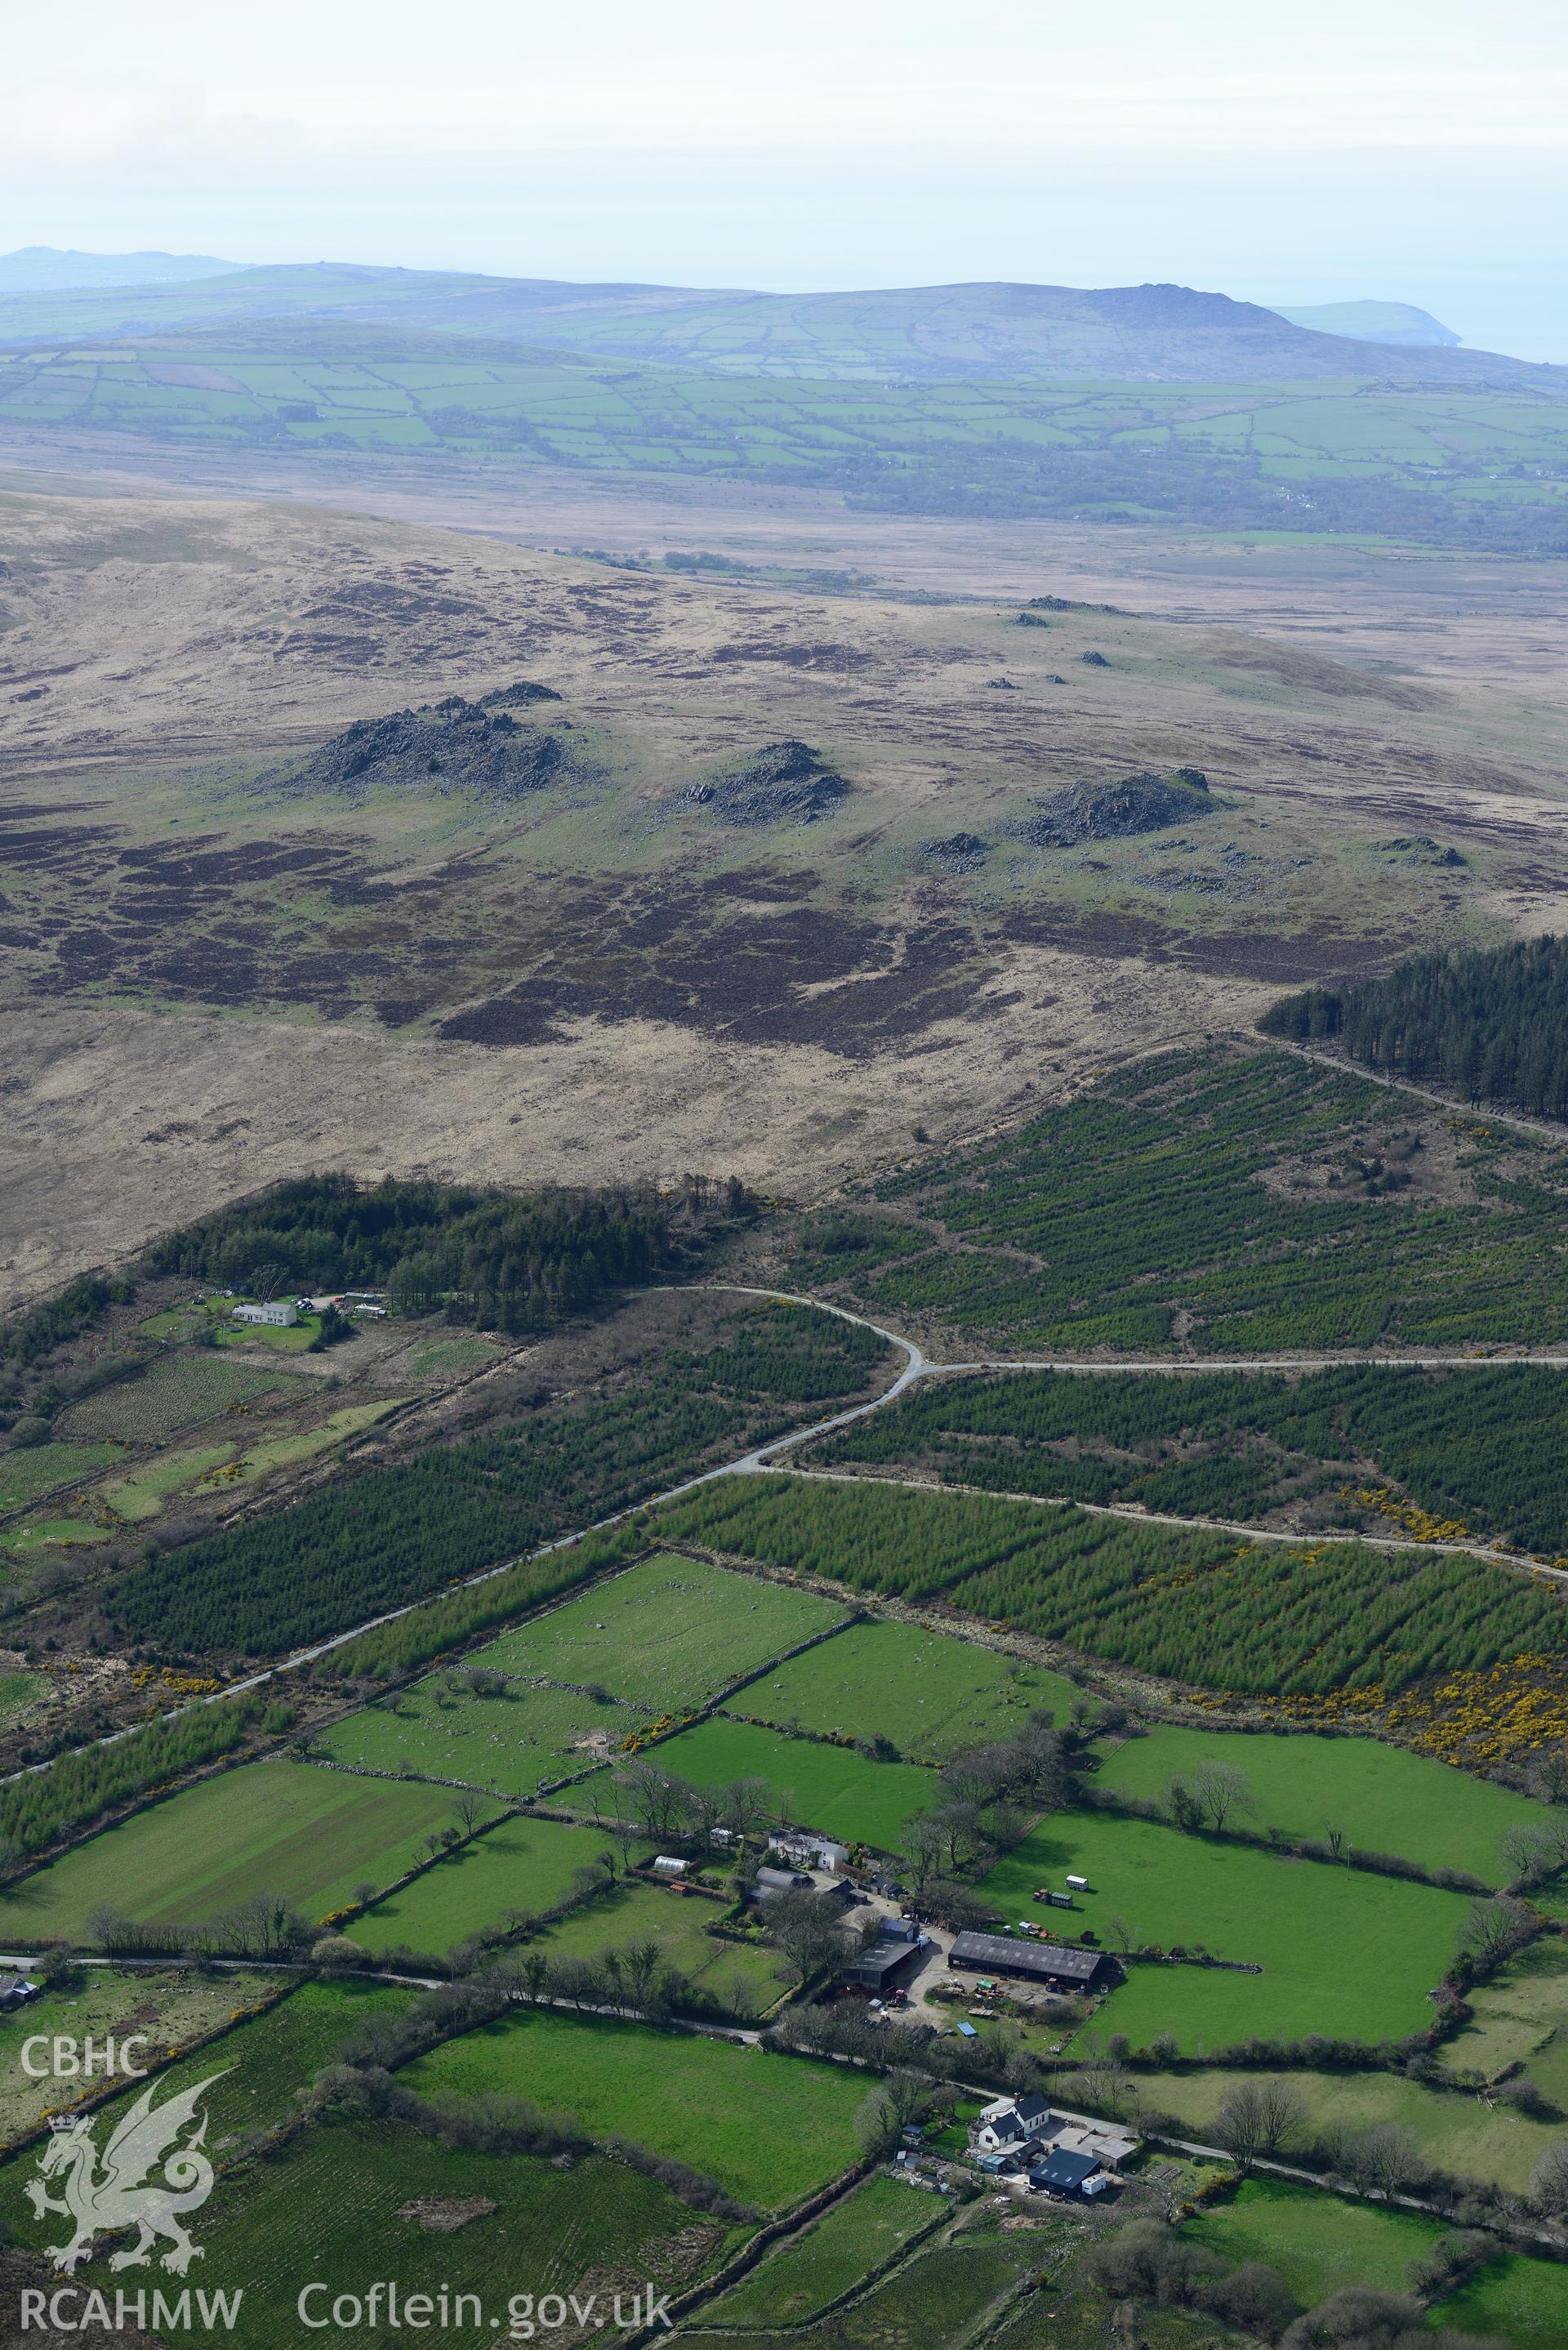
[
  {"x": 1141, "y": 803},
  {"x": 785, "y": 782}
]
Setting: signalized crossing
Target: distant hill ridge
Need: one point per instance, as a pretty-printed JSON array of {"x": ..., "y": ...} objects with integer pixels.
[
  {"x": 48, "y": 269},
  {"x": 1005, "y": 331}
]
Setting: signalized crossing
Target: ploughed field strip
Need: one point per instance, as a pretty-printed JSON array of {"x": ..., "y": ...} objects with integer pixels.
[{"x": 1256, "y": 1201}]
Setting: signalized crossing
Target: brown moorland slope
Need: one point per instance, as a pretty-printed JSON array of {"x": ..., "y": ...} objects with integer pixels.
[{"x": 219, "y": 968}]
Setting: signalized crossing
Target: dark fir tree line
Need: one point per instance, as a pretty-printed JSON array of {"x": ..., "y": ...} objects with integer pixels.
[{"x": 1488, "y": 1022}]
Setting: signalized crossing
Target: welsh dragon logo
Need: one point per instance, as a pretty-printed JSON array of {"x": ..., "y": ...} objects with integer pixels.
[{"x": 117, "y": 2195}]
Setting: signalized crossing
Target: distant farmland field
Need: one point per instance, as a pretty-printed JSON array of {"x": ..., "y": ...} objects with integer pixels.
[
  {"x": 931, "y": 1694},
  {"x": 830, "y": 1788}
]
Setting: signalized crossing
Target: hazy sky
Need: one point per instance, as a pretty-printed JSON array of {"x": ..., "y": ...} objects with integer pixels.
[{"x": 1415, "y": 148}]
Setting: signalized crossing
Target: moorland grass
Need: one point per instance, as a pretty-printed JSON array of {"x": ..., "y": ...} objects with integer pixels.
[
  {"x": 519, "y": 1865},
  {"x": 769, "y": 2129},
  {"x": 1341, "y": 1952},
  {"x": 930, "y": 1693},
  {"x": 669, "y": 1633},
  {"x": 326, "y": 2207},
  {"x": 171, "y": 2006},
  {"x": 1385, "y": 1798},
  {"x": 279, "y": 1827},
  {"x": 830, "y": 1788}
]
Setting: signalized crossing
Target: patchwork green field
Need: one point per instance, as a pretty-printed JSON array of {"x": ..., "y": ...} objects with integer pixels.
[
  {"x": 667, "y": 1634},
  {"x": 170, "y": 2008},
  {"x": 1295, "y": 1919},
  {"x": 1522, "y": 2299},
  {"x": 442, "y": 1728},
  {"x": 930, "y": 1694},
  {"x": 880, "y": 2217},
  {"x": 1383, "y": 1797},
  {"x": 522, "y": 1866},
  {"x": 279, "y": 1827},
  {"x": 1197, "y": 1605},
  {"x": 829, "y": 1788},
  {"x": 769, "y": 2129},
  {"x": 1466, "y": 464},
  {"x": 1520, "y": 2017},
  {"x": 1474, "y": 1446}
]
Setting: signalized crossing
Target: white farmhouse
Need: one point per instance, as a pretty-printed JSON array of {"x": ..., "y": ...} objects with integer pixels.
[{"x": 281, "y": 1316}]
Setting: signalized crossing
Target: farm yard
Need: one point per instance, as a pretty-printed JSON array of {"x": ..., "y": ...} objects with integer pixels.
[
  {"x": 1294, "y": 1919},
  {"x": 768, "y": 2128},
  {"x": 292, "y": 1830}
]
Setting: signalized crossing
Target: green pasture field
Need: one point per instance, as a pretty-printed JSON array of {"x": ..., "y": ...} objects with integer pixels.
[
  {"x": 1081, "y": 2319},
  {"x": 171, "y": 2007},
  {"x": 1456, "y": 2133},
  {"x": 514, "y": 1743},
  {"x": 42, "y": 1533},
  {"x": 769, "y": 2129},
  {"x": 1147, "y": 1197},
  {"x": 1297, "y": 1920},
  {"x": 1187, "y": 1605},
  {"x": 19, "y": 1690},
  {"x": 327, "y": 2208},
  {"x": 936, "y": 2302},
  {"x": 829, "y": 1788},
  {"x": 1318, "y": 2242},
  {"x": 930, "y": 1693},
  {"x": 1524, "y": 2301},
  {"x": 277, "y": 1826},
  {"x": 654, "y": 1913},
  {"x": 43, "y": 1468},
  {"x": 1386, "y": 1799},
  {"x": 881, "y": 2217},
  {"x": 1519, "y": 2017},
  {"x": 143, "y": 1493},
  {"x": 519, "y": 1865},
  {"x": 173, "y": 1392},
  {"x": 669, "y": 1633}
]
